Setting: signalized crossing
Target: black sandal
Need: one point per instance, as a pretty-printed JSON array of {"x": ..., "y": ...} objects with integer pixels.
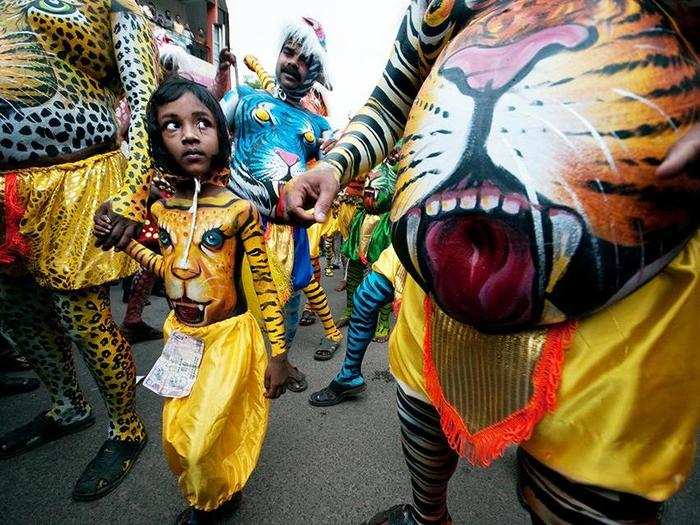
[
  {"x": 12, "y": 362},
  {"x": 327, "y": 349},
  {"x": 107, "y": 470},
  {"x": 334, "y": 394},
  {"x": 193, "y": 516},
  {"x": 40, "y": 430},
  {"x": 10, "y": 386},
  {"x": 307, "y": 318},
  {"x": 296, "y": 382},
  {"x": 396, "y": 515}
]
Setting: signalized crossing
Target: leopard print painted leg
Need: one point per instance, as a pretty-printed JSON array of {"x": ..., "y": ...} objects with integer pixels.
[
  {"x": 318, "y": 301},
  {"x": 86, "y": 317},
  {"x": 28, "y": 318},
  {"x": 328, "y": 250}
]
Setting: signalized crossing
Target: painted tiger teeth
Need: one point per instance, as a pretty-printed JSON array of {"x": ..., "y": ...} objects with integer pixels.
[
  {"x": 468, "y": 200},
  {"x": 510, "y": 206},
  {"x": 489, "y": 201},
  {"x": 449, "y": 203},
  {"x": 432, "y": 208},
  {"x": 486, "y": 198}
]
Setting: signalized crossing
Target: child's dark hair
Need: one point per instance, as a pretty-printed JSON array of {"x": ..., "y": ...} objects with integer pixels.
[{"x": 169, "y": 91}]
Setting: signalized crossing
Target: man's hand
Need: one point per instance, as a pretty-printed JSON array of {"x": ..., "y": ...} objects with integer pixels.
[
  {"x": 226, "y": 59},
  {"x": 684, "y": 155},
  {"x": 122, "y": 229},
  {"x": 328, "y": 144},
  {"x": 316, "y": 188},
  {"x": 276, "y": 375}
]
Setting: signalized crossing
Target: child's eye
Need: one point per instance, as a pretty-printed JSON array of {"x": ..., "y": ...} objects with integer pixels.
[
  {"x": 170, "y": 126},
  {"x": 213, "y": 239},
  {"x": 203, "y": 124}
]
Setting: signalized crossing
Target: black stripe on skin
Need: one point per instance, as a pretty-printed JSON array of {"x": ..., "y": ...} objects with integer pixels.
[
  {"x": 663, "y": 199},
  {"x": 654, "y": 60}
]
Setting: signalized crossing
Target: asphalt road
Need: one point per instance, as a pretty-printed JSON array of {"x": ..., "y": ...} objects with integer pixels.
[{"x": 319, "y": 466}]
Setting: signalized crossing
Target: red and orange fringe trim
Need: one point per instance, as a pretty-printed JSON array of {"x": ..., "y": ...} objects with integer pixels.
[
  {"x": 482, "y": 447},
  {"x": 15, "y": 246}
]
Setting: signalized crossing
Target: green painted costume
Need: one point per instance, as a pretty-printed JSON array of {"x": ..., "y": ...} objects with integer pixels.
[{"x": 370, "y": 235}]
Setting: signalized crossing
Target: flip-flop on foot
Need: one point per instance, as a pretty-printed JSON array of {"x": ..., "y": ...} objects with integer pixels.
[
  {"x": 307, "y": 318},
  {"x": 327, "y": 349},
  {"x": 296, "y": 382}
]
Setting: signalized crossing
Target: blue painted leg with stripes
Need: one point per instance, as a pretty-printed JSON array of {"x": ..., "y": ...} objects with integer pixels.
[{"x": 373, "y": 293}]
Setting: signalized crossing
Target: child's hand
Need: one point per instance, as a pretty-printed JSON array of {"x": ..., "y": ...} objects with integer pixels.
[
  {"x": 276, "y": 376},
  {"x": 103, "y": 226}
]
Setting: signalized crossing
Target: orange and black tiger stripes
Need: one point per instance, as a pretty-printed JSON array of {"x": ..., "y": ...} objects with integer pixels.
[
  {"x": 251, "y": 234},
  {"x": 319, "y": 304},
  {"x": 148, "y": 259},
  {"x": 426, "y": 29}
]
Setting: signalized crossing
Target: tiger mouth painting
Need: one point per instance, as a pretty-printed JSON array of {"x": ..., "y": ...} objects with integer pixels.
[{"x": 524, "y": 198}]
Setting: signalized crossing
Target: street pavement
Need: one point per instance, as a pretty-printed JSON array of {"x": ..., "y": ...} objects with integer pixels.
[{"x": 336, "y": 465}]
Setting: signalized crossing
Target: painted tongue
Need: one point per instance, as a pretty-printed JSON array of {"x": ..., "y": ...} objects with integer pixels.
[
  {"x": 482, "y": 271},
  {"x": 188, "y": 314}
]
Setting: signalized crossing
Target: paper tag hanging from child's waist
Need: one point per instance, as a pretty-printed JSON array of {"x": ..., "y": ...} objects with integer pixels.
[{"x": 175, "y": 371}]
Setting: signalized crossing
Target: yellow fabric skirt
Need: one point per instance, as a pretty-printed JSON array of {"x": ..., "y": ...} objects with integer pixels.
[
  {"x": 628, "y": 407},
  {"x": 59, "y": 203},
  {"x": 344, "y": 219},
  {"x": 318, "y": 230},
  {"x": 212, "y": 438}
]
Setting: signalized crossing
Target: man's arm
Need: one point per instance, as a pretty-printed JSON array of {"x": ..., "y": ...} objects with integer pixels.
[{"x": 427, "y": 28}]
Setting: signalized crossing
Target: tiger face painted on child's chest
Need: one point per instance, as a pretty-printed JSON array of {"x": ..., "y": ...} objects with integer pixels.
[{"x": 527, "y": 188}]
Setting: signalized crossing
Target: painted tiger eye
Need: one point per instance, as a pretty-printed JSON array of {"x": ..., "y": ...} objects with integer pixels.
[
  {"x": 262, "y": 115},
  {"x": 309, "y": 137}
]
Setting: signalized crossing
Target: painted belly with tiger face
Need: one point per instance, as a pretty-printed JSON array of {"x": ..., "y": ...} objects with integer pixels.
[
  {"x": 273, "y": 142},
  {"x": 527, "y": 191},
  {"x": 59, "y": 76}
]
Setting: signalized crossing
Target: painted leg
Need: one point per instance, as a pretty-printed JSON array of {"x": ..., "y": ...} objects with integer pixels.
[
  {"x": 371, "y": 296},
  {"x": 134, "y": 327},
  {"x": 355, "y": 274},
  {"x": 297, "y": 379},
  {"x": 307, "y": 316},
  {"x": 337, "y": 252},
  {"x": 86, "y": 317},
  {"x": 551, "y": 498},
  {"x": 381, "y": 334},
  {"x": 329, "y": 254},
  {"x": 431, "y": 462},
  {"x": 319, "y": 303},
  {"x": 28, "y": 318}
]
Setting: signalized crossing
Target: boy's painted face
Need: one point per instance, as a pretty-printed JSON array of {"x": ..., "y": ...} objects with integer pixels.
[
  {"x": 189, "y": 133},
  {"x": 292, "y": 66}
]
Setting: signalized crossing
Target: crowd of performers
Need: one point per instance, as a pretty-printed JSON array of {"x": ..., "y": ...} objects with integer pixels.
[{"x": 520, "y": 190}]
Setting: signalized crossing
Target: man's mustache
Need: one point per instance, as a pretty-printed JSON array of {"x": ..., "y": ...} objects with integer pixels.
[{"x": 291, "y": 70}]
